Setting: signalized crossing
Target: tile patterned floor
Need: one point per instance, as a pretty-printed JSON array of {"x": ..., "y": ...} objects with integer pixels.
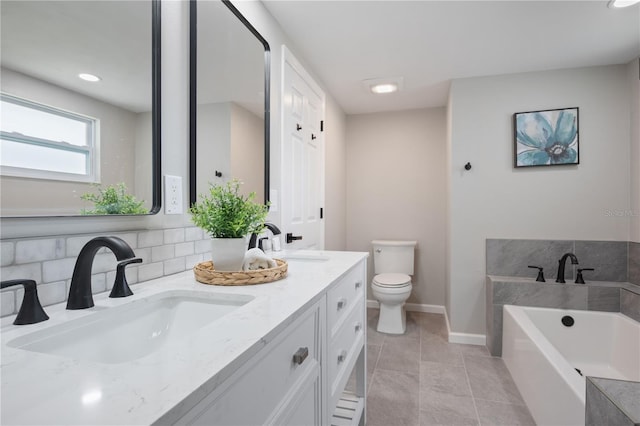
[{"x": 420, "y": 379}]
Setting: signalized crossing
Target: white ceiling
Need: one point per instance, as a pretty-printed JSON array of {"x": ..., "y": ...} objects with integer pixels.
[
  {"x": 53, "y": 41},
  {"x": 429, "y": 43}
]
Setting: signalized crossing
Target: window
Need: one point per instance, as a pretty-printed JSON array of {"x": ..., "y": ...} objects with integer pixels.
[{"x": 43, "y": 142}]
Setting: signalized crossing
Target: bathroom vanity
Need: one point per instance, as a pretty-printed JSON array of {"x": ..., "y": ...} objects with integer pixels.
[{"x": 181, "y": 352}]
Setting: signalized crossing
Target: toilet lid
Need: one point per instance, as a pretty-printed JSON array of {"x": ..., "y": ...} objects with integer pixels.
[{"x": 392, "y": 280}]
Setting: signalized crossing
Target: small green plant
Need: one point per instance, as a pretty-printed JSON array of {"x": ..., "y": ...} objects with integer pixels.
[
  {"x": 225, "y": 213},
  {"x": 113, "y": 200}
]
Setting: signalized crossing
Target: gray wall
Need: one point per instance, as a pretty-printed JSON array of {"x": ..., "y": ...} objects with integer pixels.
[
  {"x": 494, "y": 200},
  {"x": 396, "y": 189}
]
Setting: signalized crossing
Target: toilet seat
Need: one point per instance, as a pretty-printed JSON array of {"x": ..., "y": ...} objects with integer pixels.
[{"x": 392, "y": 280}]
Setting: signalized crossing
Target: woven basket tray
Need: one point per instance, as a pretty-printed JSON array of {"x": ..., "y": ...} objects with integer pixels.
[{"x": 206, "y": 274}]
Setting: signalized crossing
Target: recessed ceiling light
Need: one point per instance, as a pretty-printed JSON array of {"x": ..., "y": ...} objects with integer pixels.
[
  {"x": 383, "y": 85},
  {"x": 622, "y": 3},
  {"x": 89, "y": 77},
  {"x": 384, "y": 88}
]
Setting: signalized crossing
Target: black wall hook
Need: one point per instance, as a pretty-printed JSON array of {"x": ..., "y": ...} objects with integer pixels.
[
  {"x": 467, "y": 166},
  {"x": 218, "y": 174}
]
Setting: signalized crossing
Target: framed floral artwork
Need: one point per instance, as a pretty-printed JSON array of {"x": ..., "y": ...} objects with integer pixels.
[{"x": 546, "y": 138}]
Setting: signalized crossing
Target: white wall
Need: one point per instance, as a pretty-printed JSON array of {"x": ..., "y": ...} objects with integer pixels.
[
  {"x": 494, "y": 200},
  {"x": 335, "y": 205},
  {"x": 247, "y": 151},
  {"x": 214, "y": 147},
  {"x": 634, "y": 84},
  {"x": 396, "y": 190}
]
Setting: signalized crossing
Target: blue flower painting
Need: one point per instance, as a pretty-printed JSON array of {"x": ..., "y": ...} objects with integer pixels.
[{"x": 547, "y": 138}]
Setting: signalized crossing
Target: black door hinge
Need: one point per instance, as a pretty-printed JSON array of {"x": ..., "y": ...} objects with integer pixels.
[
  {"x": 321, "y": 212},
  {"x": 322, "y": 125}
]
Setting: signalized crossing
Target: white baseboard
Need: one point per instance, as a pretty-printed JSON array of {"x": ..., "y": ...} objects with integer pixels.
[
  {"x": 464, "y": 338},
  {"x": 430, "y": 309},
  {"x": 412, "y": 307}
]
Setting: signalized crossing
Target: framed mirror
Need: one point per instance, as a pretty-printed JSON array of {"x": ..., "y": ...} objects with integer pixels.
[
  {"x": 80, "y": 105},
  {"x": 229, "y": 105}
]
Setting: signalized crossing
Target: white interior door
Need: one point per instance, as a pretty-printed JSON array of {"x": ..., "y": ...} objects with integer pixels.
[{"x": 302, "y": 159}]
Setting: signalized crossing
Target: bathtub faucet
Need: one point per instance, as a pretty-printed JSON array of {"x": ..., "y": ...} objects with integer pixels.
[{"x": 561, "y": 264}]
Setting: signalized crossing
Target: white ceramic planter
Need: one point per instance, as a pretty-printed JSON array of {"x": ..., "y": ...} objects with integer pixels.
[{"x": 227, "y": 254}]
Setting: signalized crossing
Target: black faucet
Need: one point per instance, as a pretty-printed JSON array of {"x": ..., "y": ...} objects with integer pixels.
[
  {"x": 80, "y": 296},
  {"x": 561, "y": 265},
  {"x": 31, "y": 310},
  {"x": 254, "y": 237}
]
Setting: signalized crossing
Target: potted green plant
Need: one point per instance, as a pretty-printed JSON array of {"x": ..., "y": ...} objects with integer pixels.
[
  {"x": 113, "y": 199},
  {"x": 228, "y": 217}
]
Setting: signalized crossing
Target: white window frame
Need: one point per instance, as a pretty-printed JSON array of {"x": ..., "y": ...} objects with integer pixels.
[{"x": 91, "y": 150}]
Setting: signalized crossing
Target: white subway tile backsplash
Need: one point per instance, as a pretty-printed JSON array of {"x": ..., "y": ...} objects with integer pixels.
[
  {"x": 203, "y": 246},
  {"x": 29, "y": 271},
  {"x": 7, "y": 254},
  {"x": 193, "y": 233},
  {"x": 132, "y": 274},
  {"x": 104, "y": 262},
  {"x": 144, "y": 254},
  {"x": 175, "y": 235},
  {"x": 75, "y": 244},
  {"x": 57, "y": 270},
  {"x": 150, "y": 271},
  {"x": 161, "y": 253},
  {"x": 150, "y": 238},
  {"x": 29, "y": 251},
  {"x": 7, "y": 302},
  {"x": 173, "y": 266},
  {"x": 99, "y": 283},
  {"x": 50, "y": 261},
  {"x": 130, "y": 238},
  {"x": 51, "y": 293},
  {"x": 193, "y": 260},
  {"x": 184, "y": 249}
]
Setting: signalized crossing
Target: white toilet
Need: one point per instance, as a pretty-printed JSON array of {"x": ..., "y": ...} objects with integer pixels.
[{"x": 391, "y": 285}]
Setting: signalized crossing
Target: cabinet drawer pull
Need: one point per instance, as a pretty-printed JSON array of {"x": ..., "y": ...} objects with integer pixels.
[
  {"x": 342, "y": 356},
  {"x": 358, "y": 284},
  {"x": 358, "y": 327},
  {"x": 300, "y": 355},
  {"x": 342, "y": 303}
]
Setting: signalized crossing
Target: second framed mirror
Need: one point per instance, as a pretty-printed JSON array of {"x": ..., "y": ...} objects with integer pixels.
[{"x": 229, "y": 100}]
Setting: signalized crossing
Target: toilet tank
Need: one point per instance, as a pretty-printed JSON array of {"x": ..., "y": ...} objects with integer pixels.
[{"x": 393, "y": 256}]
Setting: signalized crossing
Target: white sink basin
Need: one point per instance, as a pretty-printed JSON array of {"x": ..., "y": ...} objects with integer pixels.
[{"x": 128, "y": 332}]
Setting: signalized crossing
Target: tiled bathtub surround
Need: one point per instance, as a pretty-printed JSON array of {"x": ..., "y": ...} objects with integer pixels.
[
  {"x": 634, "y": 263},
  {"x": 50, "y": 261},
  {"x": 612, "y": 260},
  {"x": 612, "y": 402},
  {"x": 596, "y": 296}
]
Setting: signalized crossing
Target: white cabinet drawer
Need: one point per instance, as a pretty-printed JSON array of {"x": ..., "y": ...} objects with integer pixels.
[
  {"x": 342, "y": 297},
  {"x": 344, "y": 350},
  {"x": 257, "y": 392}
]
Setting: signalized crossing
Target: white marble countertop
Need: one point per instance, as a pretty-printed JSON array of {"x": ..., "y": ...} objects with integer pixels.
[{"x": 45, "y": 389}]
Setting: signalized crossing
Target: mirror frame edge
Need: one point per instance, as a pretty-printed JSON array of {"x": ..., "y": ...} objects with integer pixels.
[
  {"x": 156, "y": 99},
  {"x": 193, "y": 50}
]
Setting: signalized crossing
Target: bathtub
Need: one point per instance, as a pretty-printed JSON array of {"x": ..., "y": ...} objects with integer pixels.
[{"x": 542, "y": 355}]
